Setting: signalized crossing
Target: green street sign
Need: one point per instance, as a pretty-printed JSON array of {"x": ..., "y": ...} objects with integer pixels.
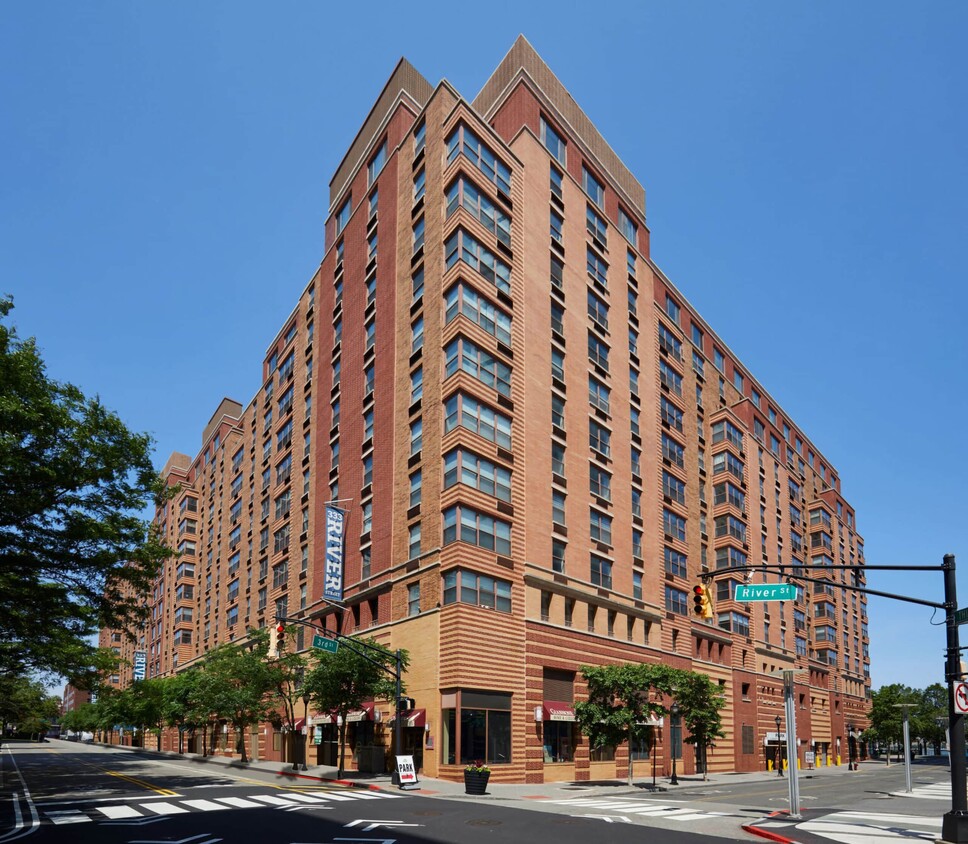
[
  {"x": 765, "y": 592},
  {"x": 321, "y": 643},
  {"x": 961, "y": 616}
]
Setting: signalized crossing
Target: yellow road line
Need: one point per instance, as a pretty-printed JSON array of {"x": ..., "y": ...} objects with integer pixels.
[{"x": 166, "y": 792}]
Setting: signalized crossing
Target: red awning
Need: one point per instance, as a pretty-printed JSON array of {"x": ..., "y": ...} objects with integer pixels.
[
  {"x": 413, "y": 718},
  {"x": 325, "y": 718},
  {"x": 554, "y": 710},
  {"x": 364, "y": 714},
  {"x": 299, "y": 724}
]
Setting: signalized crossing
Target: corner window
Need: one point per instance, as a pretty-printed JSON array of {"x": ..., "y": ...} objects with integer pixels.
[
  {"x": 376, "y": 163},
  {"x": 343, "y": 215},
  {"x": 553, "y": 142}
]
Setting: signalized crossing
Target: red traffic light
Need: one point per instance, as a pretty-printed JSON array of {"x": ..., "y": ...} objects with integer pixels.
[
  {"x": 699, "y": 599},
  {"x": 281, "y": 629},
  {"x": 698, "y": 590}
]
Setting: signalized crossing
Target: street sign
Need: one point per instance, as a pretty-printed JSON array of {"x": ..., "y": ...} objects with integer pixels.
[
  {"x": 746, "y": 592},
  {"x": 961, "y": 616},
  {"x": 321, "y": 643},
  {"x": 960, "y": 694}
]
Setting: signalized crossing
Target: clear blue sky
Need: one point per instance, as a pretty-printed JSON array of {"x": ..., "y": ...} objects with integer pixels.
[{"x": 164, "y": 187}]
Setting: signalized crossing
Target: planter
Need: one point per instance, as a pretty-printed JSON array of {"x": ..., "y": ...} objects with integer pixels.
[{"x": 475, "y": 782}]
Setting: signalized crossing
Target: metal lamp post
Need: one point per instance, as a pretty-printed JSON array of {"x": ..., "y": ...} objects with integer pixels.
[
  {"x": 779, "y": 753},
  {"x": 305, "y": 748},
  {"x": 851, "y": 765},
  {"x": 674, "y": 728}
]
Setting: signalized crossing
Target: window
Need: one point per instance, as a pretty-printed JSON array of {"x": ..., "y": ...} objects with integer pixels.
[
  {"x": 557, "y": 555},
  {"x": 730, "y": 526},
  {"x": 414, "y": 533},
  {"x": 598, "y": 394},
  {"x": 368, "y": 469},
  {"x": 726, "y": 461},
  {"x": 416, "y": 384},
  {"x": 599, "y": 438},
  {"x": 374, "y": 201},
  {"x": 558, "y": 507},
  {"x": 675, "y": 561},
  {"x": 636, "y": 462},
  {"x": 598, "y": 311},
  {"x": 718, "y": 360},
  {"x": 676, "y": 601},
  {"x": 557, "y": 411},
  {"x": 670, "y": 414},
  {"x": 463, "y": 140},
  {"x": 478, "y": 363},
  {"x": 416, "y": 436},
  {"x": 419, "y": 136},
  {"x": 463, "y": 246},
  {"x": 418, "y": 235},
  {"x": 556, "y": 225},
  {"x": 416, "y": 486},
  {"x": 557, "y": 273},
  {"x": 419, "y": 185},
  {"x": 557, "y": 363},
  {"x": 601, "y": 571},
  {"x": 465, "y": 194},
  {"x": 600, "y": 527},
  {"x": 418, "y": 285},
  {"x": 599, "y": 482},
  {"x": 553, "y": 142},
  {"x": 413, "y": 599},
  {"x": 367, "y": 518},
  {"x": 465, "y": 300},
  {"x": 673, "y": 488},
  {"x": 376, "y": 163},
  {"x": 368, "y": 425},
  {"x": 556, "y": 182},
  {"x": 672, "y": 309},
  {"x": 633, "y": 342},
  {"x": 558, "y": 459},
  {"x": 669, "y": 343},
  {"x": 673, "y": 451},
  {"x": 465, "y": 467},
  {"x": 596, "y": 225},
  {"x": 735, "y": 622},
  {"x": 597, "y": 351},
  {"x": 343, "y": 215},
  {"x": 468, "y": 587},
  {"x": 416, "y": 335},
  {"x": 369, "y": 377},
  {"x": 628, "y": 228},
  {"x": 476, "y": 528},
  {"x": 669, "y": 378},
  {"x": 674, "y": 525},
  {"x": 596, "y": 266},
  {"x": 726, "y": 430},
  {"x": 636, "y": 543},
  {"x": 636, "y": 503},
  {"x": 280, "y": 575},
  {"x": 738, "y": 381},
  {"x": 467, "y": 412},
  {"x": 726, "y": 493},
  {"x": 594, "y": 188}
]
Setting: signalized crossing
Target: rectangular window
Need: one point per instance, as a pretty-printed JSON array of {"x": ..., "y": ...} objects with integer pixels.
[
  {"x": 467, "y": 412},
  {"x": 376, "y": 163},
  {"x": 465, "y": 467},
  {"x": 413, "y": 599},
  {"x": 719, "y": 361},
  {"x": 419, "y": 185},
  {"x": 596, "y": 266},
  {"x": 463, "y": 141},
  {"x": 460, "y": 245},
  {"x": 553, "y": 142},
  {"x": 597, "y": 351},
  {"x": 599, "y": 438},
  {"x": 343, "y": 215},
  {"x": 669, "y": 378},
  {"x": 557, "y": 555},
  {"x": 556, "y": 182},
  {"x": 465, "y": 300},
  {"x": 599, "y": 482},
  {"x": 595, "y": 225},
  {"x": 673, "y": 488},
  {"x": 669, "y": 343},
  {"x": 594, "y": 188},
  {"x": 674, "y": 525},
  {"x": 672, "y": 309},
  {"x": 467, "y": 587},
  {"x": 464, "y": 524},
  {"x": 726, "y": 430},
  {"x": 597, "y": 311},
  {"x": 600, "y": 527},
  {"x": 480, "y": 364},
  {"x": 675, "y": 561},
  {"x": 464, "y": 193},
  {"x": 628, "y": 228},
  {"x": 670, "y": 414},
  {"x": 676, "y": 601},
  {"x": 558, "y": 507},
  {"x": 601, "y": 571},
  {"x": 598, "y": 394},
  {"x": 557, "y": 223}
]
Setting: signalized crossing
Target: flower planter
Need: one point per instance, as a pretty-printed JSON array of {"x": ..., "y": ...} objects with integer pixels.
[{"x": 475, "y": 782}]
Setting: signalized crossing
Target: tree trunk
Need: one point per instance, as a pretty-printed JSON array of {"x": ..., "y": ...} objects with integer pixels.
[
  {"x": 240, "y": 729},
  {"x": 342, "y": 748},
  {"x": 630, "y": 764},
  {"x": 205, "y": 741}
]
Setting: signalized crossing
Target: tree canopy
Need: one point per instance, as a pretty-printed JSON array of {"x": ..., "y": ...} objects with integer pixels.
[{"x": 73, "y": 483}]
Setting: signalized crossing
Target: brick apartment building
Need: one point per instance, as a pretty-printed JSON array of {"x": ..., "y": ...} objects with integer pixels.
[
  {"x": 540, "y": 448},
  {"x": 73, "y": 698}
]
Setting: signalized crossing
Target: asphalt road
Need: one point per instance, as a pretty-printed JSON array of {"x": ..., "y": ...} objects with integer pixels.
[{"x": 62, "y": 792}]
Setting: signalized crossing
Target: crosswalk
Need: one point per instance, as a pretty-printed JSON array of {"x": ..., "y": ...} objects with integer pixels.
[
  {"x": 933, "y": 791},
  {"x": 872, "y": 828},
  {"x": 156, "y": 809},
  {"x": 614, "y": 806}
]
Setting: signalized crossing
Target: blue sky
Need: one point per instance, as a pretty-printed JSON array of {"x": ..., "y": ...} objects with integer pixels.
[{"x": 165, "y": 175}]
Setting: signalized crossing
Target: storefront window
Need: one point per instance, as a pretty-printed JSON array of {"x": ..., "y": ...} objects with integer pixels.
[
  {"x": 559, "y": 743},
  {"x": 602, "y": 754},
  {"x": 478, "y": 729},
  {"x": 640, "y": 747}
]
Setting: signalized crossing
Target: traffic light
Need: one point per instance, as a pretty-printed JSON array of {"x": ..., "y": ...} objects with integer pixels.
[
  {"x": 702, "y": 600},
  {"x": 280, "y": 638}
]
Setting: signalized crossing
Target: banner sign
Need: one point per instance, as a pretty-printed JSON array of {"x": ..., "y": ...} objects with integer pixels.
[
  {"x": 140, "y": 664},
  {"x": 406, "y": 770},
  {"x": 333, "y": 575}
]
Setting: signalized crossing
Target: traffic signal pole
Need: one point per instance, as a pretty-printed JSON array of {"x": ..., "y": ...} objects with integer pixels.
[{"x": 954, "y": 825}]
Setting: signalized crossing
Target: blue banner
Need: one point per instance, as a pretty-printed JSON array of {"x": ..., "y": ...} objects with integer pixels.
[
  {"x": 140, "y": 663},
  {"x": 333, "y": 574}
]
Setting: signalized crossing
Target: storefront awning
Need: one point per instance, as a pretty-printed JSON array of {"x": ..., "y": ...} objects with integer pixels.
[
  {"x": 299, "y": 724},
  {"x": 324, "y": 718},
  {"x": 364, "y": 714},
  {"x": 413, "y": 718},
  {"x": 554, "y": 710}
]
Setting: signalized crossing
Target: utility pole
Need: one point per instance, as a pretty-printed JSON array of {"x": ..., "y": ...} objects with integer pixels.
[
  {"x": 793, "y": 778},
  {"x": 954, "y": 825}
]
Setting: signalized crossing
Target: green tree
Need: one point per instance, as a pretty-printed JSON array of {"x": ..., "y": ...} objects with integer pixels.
[
  {"x": 702, "y": 702},
  {"x": 886, "y": 717},
  {"x": 340, "y": 683},
  {"x": 75, "y": 554},
  {"x": 25, "y": 704},
  {"x": 146, "y": 707},
  {"x": 290, "y": 689},
  {"x": 933, "y": 715},
  {"x": 621, "y": 700},
  {"x": 236, "y": 683},
  {"x": 180, "y": 703}
]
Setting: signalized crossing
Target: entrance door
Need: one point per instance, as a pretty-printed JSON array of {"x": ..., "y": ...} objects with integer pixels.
[{"x": 413, "y": 739}]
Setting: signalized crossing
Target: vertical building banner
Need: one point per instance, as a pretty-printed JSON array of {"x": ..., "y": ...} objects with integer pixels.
[
  {"x": 333, "y": 575},
  {"x": 140, "y": 663}
]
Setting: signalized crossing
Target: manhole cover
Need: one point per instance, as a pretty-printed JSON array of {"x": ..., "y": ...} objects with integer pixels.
[{"x": 483, "y": 822}]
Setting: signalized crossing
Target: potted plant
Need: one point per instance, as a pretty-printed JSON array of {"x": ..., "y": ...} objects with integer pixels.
[{"x": 476, "y": 776}]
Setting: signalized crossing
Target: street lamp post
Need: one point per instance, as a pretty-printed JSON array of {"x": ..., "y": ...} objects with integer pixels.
[
  {"x": 305, "y": 748},
  {"x": 674, "y": 728},
  {"x": 851, "y": 765},
  {"x": 779, "y": 753}
]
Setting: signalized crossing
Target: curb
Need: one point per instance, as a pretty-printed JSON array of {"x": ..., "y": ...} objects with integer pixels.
[{"x": 765, "y": 833}]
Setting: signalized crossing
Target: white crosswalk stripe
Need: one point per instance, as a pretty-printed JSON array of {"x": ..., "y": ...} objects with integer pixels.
[
  {"x": 873, "y": 828},
  {"x": 642, "y": 808},
  {"x": 157, "y": 808},
  {"x": 934, "y": 791}
]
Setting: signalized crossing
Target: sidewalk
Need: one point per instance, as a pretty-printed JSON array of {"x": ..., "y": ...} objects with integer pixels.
[{"x": 495, "y": 791}]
